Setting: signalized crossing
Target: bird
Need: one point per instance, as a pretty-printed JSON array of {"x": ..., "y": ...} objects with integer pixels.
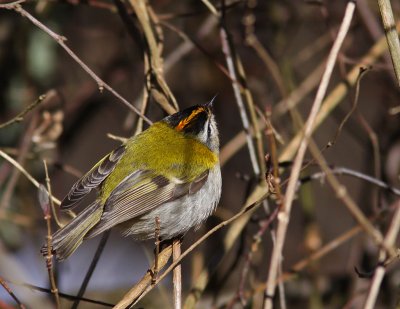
[{"x": 168, "y": 175}]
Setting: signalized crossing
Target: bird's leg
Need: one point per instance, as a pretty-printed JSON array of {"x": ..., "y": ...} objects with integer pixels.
[{"x": 154, "y": 272}]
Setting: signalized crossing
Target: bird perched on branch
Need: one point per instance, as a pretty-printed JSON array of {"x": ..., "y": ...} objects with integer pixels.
[{"x": 170, "y": 172}]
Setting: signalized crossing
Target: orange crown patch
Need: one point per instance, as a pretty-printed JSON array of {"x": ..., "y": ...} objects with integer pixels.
[{"x": 184, "y": 122}]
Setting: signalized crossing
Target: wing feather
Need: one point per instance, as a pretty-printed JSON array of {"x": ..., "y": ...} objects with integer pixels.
[
  {"x": 92, "y": 179},
  {"x": 139, "y": 193}
]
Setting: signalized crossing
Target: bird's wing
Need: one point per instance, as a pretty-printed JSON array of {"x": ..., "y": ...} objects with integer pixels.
[
  {"x": 92, "y": 179},
  {"x": 141, "y": 192}
]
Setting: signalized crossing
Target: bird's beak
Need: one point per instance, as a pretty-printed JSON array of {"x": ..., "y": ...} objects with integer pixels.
[{"x": 210, "y": 104}]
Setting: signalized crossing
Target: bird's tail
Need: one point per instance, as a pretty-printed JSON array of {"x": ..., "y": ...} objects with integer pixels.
[{"x": 67, "y": 239}]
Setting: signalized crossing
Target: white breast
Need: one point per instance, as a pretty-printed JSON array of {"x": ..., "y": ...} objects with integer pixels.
[{"x": 177, "y": 217}]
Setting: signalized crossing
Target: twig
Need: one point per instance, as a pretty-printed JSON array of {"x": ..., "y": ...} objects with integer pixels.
[
  {"x": 24, "y": 147},
  {"x": 390, "y": 239},
  {"x": 45, "y": 202},
  {"x": 177, "y": 274},
  {"x": 336, "y": 95},
  {"x": 92, "y": 267},
  {"x": 31, "y": 179},
  {"x": 256, "y": 240},
  {"x": 120, "y": 139},
  {"x": 284, "y": 215},
  {"x": 20, "y": 116},
  {"x": 25, "y": 173},
  {"x": 375, "y": 30},
  {"x": 356, "y": 174},
  {"x": 239, "y": 100},
  {"x": 329, "y": 104},
  {"x": 391, "y": 35},
  {"x": 177, "y": 54},
  {"x": 235, "y": 230},
  {"x": 262, "y": 53},
  {"x": 320, "y": 253},
  {"x": 374, "y": 140},
  {"x": 15, "y": 6},
  {"x": 143, "y": 286},
  {"x": 363, "y": 71},
  {"x": 9, "y": 291},
  {"x": 62, "y": 295},
  {"x": 157, "y": 249},
  {"x": 166, "y": 99},
  {"x": 211, "y": 7},
  {"x": 343, "y": 195}
]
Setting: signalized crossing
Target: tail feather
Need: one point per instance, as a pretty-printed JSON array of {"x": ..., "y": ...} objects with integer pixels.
[{"x": 67, "y": 239}]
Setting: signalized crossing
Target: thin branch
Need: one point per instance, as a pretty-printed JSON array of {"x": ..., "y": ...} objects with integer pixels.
[
  {"x": 144, "y": 286},
  {"x": 24, "y": 146},
  {"x": 92, "y": 267},
  {"x": 390, "y": 239},
  {"x": 232, "y": 235},
  {"x": 211, "y": 7},
  {"x": 336, "y": 95},
  {"x": 239, "y": 100},
  {"x": 15, "y": 6},
  {"x": 11, "y": 293},
  {"x": 45, "y": 203},
  {"x": 165, "y": 98},
  {"x": 374, "y": 28},
  {"x": 62, "y": 295},
  {"x": 284, "y": 215},
  {"x": 25, "y": 173},
  {"x": 20, "y": 116},
  {"x": 343, "y": 195},
  {"x": 391, "y": 35},
  {"x": 363, "y": 71},
  {"x": 329, "y": 104},
  {"x": 356, "y": 174},
  {"x": 177, "y": 274}
]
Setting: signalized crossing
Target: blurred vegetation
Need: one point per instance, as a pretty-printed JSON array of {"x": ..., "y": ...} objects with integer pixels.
[{"x": 283, "y": 47}]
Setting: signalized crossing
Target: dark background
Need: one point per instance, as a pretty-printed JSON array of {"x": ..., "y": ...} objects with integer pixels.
[{"x": 298, "y": 36}]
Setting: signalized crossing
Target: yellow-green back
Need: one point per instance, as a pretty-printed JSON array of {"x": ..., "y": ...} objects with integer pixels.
[{"x": 165, "y": 151}]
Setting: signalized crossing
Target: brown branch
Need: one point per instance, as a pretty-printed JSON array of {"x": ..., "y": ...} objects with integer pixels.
[
  {"x": 20, "y": 116},
  {"x": 25, "y": 144},
  {"x": 11, "y": 293},
  {"x": 227, "y": 49},
  {"x": 284, "y": 215},
  {"x": 45, "y": 202},
  {"x": 92, "y": 267},
  {"x": 389, "y": 241},
  {"x": 62, "y": 295},
  {"x": 391, "y": 35},
  {"x": 144, "y": 285},
  {"x": 329, "y": 104},
  {"x": 177, "y": 274},
  {"x": 15, "y": 6},
  {"x": 165, "y": 98}
]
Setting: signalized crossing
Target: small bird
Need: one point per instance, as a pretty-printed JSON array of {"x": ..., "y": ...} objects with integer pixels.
[{"x": 170, "y": 171}]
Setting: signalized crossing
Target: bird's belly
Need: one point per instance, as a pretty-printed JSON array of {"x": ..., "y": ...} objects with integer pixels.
[{"x": 177, "y": 217}]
